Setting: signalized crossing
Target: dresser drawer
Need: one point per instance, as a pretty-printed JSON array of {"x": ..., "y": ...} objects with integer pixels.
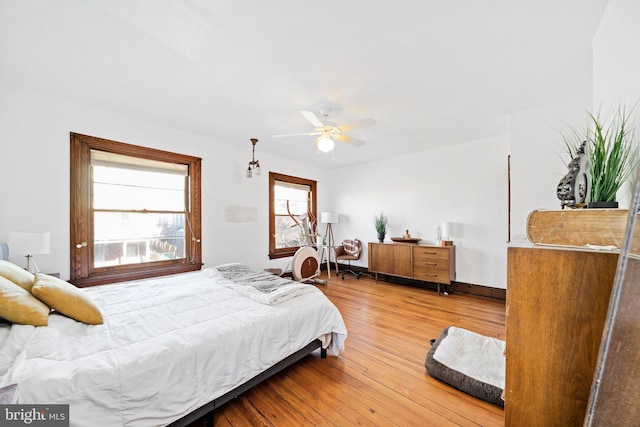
[
  {"x": 430, "y": 275},
  {"x": 430, "y": 254},
  {"x": 431, "y": 264}
]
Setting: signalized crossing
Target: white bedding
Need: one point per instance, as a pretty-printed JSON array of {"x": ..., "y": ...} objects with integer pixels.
[
  {"x": 164, "y": 350},
  {"x": 260, "y": 286}
]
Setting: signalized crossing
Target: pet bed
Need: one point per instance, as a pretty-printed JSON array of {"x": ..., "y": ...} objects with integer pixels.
[{"x": 470, "y": 362}]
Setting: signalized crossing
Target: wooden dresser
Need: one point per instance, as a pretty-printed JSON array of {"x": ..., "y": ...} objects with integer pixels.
[
  {"x": 557, "y": 302},
  {"x": 420, "y": 262}
]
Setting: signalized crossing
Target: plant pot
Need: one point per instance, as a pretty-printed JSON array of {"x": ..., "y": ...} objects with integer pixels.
[
  {"x": 602, "y": 205},
  {"x": 381, "y": 237}
]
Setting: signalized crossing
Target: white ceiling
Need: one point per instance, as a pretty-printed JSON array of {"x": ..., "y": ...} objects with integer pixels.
[{"x": 430, "y": 72}]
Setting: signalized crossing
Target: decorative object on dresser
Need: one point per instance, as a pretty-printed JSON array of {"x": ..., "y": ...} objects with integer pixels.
[
  {"x": 428, "y": 263},
  {"x": 445, "y": 234},
  {"x": 380, "y": 222},
  {"x": 29, "y": 244},
  {"x": 573, "y": 189},
  {"x": 611, "y": 153},
  {"x": 406, "y": 238}
]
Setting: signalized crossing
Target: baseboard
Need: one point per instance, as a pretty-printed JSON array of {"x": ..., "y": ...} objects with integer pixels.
[
  {"x": 455, "y": 287},
  {"x": 478, "y": 290}
]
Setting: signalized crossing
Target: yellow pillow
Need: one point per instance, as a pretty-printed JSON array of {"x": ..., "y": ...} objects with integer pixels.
[
  {"x": 66, "y": 299},
  {"x": 17, "y": 305},
  {"x": 17, "y": 275}
]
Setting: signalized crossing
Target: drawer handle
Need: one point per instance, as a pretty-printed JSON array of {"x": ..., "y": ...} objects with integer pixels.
[
  {"x": 430, "y": 274},
  {"x": 429, "y": 263}
]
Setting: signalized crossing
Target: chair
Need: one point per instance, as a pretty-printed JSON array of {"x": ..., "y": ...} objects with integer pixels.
[{"x": 350, "y": 250}]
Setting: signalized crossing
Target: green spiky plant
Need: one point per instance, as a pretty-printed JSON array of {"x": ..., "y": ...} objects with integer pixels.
[
  {"x": 381, "y": 222},
  {"x": 612, "y": 154}
]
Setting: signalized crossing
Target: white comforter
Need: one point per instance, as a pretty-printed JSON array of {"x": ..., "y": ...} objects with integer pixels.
[{"x": 165, "y": 349}]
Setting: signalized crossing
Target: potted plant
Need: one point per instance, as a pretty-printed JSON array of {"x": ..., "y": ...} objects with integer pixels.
[
  {"x": 380, "y": 222},
  {"x": 611, "y": 153}
]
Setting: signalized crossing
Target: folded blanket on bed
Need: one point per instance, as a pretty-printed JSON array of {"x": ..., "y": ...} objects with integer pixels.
[{"x": 260, "y": 286}]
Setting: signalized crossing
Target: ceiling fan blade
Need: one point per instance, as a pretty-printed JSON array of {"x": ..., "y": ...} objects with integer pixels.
[
  {"x": 358, "y": 124},
  {"x": 315, "y": 121},
  {"x": 297, "y": 134},
  {"x": 349, "y": 139}
]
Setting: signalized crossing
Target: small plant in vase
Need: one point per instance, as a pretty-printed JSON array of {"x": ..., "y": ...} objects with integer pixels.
[
  {"x": 381, "y": 222},
  {"x": 611, "y": 153}
]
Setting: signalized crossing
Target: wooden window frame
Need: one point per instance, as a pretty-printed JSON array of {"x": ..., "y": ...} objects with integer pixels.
[
  {"x": 83, "y": 272},
  {"x": 273, "y": 177}
]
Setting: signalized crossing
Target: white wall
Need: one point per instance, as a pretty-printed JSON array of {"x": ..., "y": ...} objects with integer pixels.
[
  {"x": 616, "y": 70},
  {"x": 34, "y": 139},
  {"x": 538, "y": 158},
  {"x": 465, "y": 184},
  {"x": 468, "y": 184}
]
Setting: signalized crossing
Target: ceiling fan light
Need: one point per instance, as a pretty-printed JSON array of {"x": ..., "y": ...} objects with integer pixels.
[{"x": 326, "y": 144}]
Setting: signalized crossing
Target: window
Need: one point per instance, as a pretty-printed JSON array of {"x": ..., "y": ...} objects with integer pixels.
[
  {"x": 297, "y": 196},
  {"x": 135, "y": 212}
]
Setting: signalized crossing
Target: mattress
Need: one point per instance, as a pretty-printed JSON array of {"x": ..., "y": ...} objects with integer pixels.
[
  {"x": 168, "y": 346},
  {"x": 470, "y": 362}
]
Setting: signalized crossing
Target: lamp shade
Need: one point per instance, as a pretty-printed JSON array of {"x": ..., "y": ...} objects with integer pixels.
[
  {"x": 329, "y": 217},
  {"x": 23, "y": 243},
  {"x": 446, "y": 230}
]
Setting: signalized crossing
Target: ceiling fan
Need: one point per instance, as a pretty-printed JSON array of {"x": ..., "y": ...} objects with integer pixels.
[{"x": 329, "y": 132}]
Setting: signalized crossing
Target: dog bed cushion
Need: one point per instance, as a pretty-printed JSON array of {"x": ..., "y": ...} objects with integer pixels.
[{"x": 470, "y": 362}]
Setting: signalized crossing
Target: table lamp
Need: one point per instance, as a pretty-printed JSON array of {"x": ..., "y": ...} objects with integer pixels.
[
  {"x": 446, "y": 233},
  {"x": 29, "y": 244}
]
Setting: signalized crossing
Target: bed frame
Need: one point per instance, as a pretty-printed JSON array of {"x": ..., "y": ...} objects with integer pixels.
[{"x": 209, "y": 408}]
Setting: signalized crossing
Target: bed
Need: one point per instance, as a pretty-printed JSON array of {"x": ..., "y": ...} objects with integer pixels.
[{"x": 170, "y": 349}]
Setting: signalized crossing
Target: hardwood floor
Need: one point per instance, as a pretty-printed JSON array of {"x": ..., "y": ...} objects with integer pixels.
[{"x": 380, "y": 378}]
